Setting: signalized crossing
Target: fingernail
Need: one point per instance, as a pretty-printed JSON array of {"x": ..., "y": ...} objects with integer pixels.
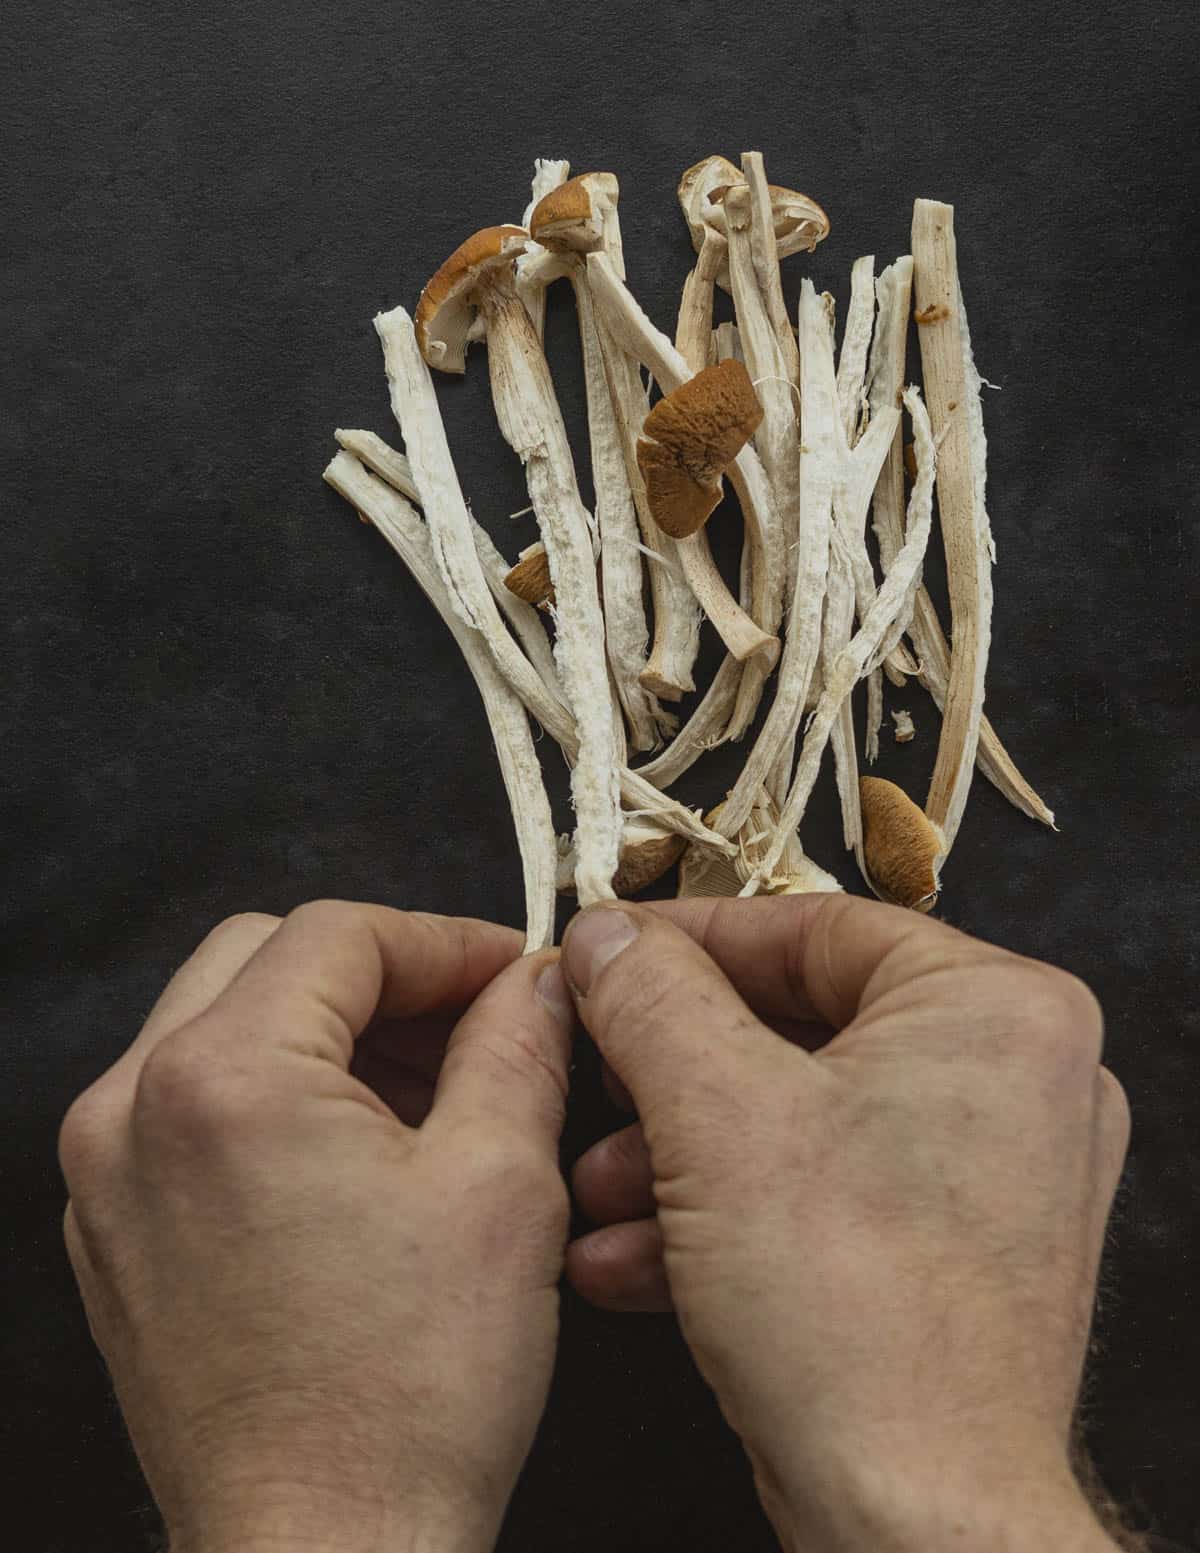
[
  {"x": 551, "y": 990},
  {"x": 592, "y": 940}
]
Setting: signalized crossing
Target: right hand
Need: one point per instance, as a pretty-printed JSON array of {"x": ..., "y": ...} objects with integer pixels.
[{"x": 882, "y": 1252}]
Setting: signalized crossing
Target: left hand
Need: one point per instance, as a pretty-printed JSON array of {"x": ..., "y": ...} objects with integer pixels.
[{"x": 330, "y": 1327}]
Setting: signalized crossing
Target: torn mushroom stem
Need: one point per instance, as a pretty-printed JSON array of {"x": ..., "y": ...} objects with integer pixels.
[{"x": 945, "y": 352}]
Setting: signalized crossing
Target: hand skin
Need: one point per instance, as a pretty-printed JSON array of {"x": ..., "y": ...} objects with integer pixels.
[
  {"x": 329, "y": 1328},
  {"x": 882, "y": 1251}
]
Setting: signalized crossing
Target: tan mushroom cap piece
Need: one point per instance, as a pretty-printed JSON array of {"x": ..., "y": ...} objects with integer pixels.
[
  {"x": 446, "y": 309},
  {"x": 690, "y": 438},
  {"x": 571, "y": 217},
  {"x": 647, "y": 851},
  {"x": 529, "y": 579},
  {"x": 695, "y": 191},
  {"x": 903, "y": 848}
]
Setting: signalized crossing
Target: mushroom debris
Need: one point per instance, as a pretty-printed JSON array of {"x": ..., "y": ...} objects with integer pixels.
[{"x": 595, "y": 621}]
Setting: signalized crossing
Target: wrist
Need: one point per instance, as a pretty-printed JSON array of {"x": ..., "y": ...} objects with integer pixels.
[{"x": 1024, "y": 1510}]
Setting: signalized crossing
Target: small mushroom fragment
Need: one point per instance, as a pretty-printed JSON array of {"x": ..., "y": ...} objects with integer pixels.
[
  {"x": 945, "y": 354},
  {"x": 905, "y": 731},
  {"x": 647, "y": 852},
  {"x": 903, "y": 848},
  {"x": 529, "y": 579},
  {"x": 399, "y": 524}
]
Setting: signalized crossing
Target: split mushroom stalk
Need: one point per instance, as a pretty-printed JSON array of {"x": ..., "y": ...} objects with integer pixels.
[
  {"x": 932, "y": 663},
  {"x": 548, "y": 174},
  {"x": 399, "y": 524},
  {"x": 415, "y": 406},
  {"x": 862, "y": 653},
  {"x": 566, "y": 222},
  {"x": 778, "y": 439},
  {"x": 945, "y": 353},
  {"x": 694, "y": 326},
  {"x": 625, "y": 321},
  {"x": 383, "y": 460}
]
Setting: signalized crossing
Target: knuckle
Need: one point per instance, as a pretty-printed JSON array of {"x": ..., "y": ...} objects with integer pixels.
[
  {"x": 323, "y": 915},
  {"x": 249, "y": 927},
  {"x": 1065, "y": 1009},
  {"x": 86, "y": 1135},
  {"x": 1116, "y": 1118},
  {"x": 185, "y": 1091}
]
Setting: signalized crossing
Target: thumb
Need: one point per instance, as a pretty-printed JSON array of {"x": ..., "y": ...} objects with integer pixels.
[{"x": 668, "y": 1021}]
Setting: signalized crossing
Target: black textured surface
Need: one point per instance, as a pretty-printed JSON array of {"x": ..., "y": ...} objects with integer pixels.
[{"x": 221, "y": 693}]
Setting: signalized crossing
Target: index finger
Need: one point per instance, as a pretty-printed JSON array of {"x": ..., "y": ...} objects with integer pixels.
[
  {"x": 821, "y": 957},
  {"x": 332, "y": 966}
]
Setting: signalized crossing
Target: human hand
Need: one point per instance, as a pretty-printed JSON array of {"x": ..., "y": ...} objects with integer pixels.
[
  {"x": 882, "y": 1252},
  {"x": 329, "y": 1329}
]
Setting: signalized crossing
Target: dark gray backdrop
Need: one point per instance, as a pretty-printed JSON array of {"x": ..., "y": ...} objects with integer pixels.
[{"x": 221, "y": 693}]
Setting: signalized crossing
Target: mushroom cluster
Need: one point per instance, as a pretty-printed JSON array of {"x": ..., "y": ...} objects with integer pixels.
[{"x": 594, "y": 631}]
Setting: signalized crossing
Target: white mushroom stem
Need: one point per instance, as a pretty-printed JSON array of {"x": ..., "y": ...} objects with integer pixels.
[
  {"x": 633, "y": 332},
  {"x": 765, "y": 248},
  {"x": 837, "y": 631},
  {"x": 802, "y": 641},
  {"x": 945, "y": 353},
  {"x": 693, "y": 329},
  {"x": 532, "y": 425},
  {"x": 856, "y": 340},
  {"x": 383, "y": 460},
  {"x": 414, "y": 402},
  {"x": 626, "y": 632},
  {"x": 399, "y": 524},
  {"x": 548, "y": 175},
  {"x": 931, "y": 665},
  {"x": 864, "y": 648},
  {"x": 676, "y": 638}
]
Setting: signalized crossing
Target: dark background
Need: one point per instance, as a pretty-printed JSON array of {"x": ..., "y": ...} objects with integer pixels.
[{"x": 221, "y": 692}]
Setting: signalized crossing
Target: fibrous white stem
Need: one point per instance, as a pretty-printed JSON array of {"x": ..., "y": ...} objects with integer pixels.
[
  {"x": 414, "y": 402},
  {"x": 693, "y": 328},
  {"x": 532, "y": 425},
  {"x": 944, "y": 355},
  {"x": 382, "y": 459},
  {"x": 398, "y": 522},
  {"x": 818, "y": 468},
  {"x": 626, "y": 634},
  {"x": 765, "y": 248},
  {"x": 864, "y": 648}
]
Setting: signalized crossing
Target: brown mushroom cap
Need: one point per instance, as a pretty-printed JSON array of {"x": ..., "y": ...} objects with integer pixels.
[
  {"x": 689, "y": 438},
  {"x": 571, "y": 217},
  {"x": 446, "y": 307},
  {"x": 903, "y": 848}
]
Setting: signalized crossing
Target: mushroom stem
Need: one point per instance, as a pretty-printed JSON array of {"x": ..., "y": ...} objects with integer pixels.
[
  {"x": 414, "y": 403},
  {"x": 531, "y": 424},
  {"x": 945, "y": 354},
  {"x": 863, "y": 651},
  {"x": 399, "y": 524},
  {"x": 765, "y": 248},
  {"x": 693, "y": 329},
  {"x": 626, "y": 632}
]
